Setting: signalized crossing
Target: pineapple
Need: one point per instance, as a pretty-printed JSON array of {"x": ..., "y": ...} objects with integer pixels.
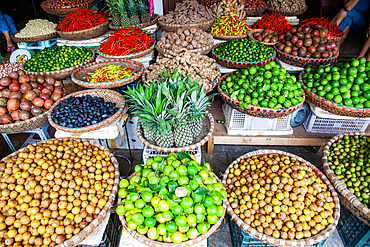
[
  {"x": 124, "y": 20},
  {"x": 199, "y": 102},
  {"x": 149, "y": 134},
  {"x": 115, "y": 12},
  {"x": 183, "y": 135},
  {"x": 144, "y": 11},
  {"x": 133, "y": 13}
]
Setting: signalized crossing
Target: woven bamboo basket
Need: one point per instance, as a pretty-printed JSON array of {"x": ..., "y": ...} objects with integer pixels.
[
  {"x": 207, "y": 130},
  {"x": 346, "y": 197},
  {"x": 252, "y": 32},
  {"x": 227, "y": 37},
  {"x": 130, "y": 56},
  {"x": 205, "y": 50},
  {"x": 192, "y": 242},
  {"x": 65, "y": 10},
  {"x": 255, "y": 11},
  {"x": 281, "y": 242},
  {"x": 207, "y": 88},
  {"x": 302, "y": 61},
  {"x": 35, "y": 39},
  {"x": 64, "y": 73},
  {"x": 239, "y": 65},
  {"x": 106, "y": 94},
  {"x": 287, "y": 13},
  {"x": 154, "y": 20},
  {"x": 256, "y": 111},
  {"x": 79, "y": 75},
  {"x": 174, "y": 27},
  {"x": 335, "y": 108},
  {"x": 74, "y": 240},
  {"x": 87, "y": 33}
]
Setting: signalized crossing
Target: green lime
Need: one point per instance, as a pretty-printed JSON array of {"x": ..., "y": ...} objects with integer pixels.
[{"x": 150, "y": 221}]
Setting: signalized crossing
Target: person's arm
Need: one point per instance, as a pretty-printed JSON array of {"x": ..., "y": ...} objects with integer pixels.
[{"x": 350, "y": 4}]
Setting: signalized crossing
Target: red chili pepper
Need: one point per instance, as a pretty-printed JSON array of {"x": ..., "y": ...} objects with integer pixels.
[
  {"x": 274, "y": 22},
  {"x": 80, "y": 19},
  {"x": 126, "y": 41}
]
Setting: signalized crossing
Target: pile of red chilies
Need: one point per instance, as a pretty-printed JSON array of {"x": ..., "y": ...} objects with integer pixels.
[
  {"x": 333, "y": 29},
  {"x": 274, "y": 21},
  {"x": 126, "y": 41},
  {"x": 80, "y": 19}
]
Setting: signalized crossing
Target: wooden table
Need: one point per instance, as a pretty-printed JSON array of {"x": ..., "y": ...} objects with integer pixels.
[{"x": 299, "y": 137}]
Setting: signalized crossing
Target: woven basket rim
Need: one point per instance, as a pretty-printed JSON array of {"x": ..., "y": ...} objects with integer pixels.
[
  {"x": 326, "y": 101},
  {"x": 178, "y": 149},
  {"x": 281, "y": 242},
  {"x": 207, "y": 88},
  {"x": 252, "y": 107},
  {"x": 5, "y": 127},
  {"x": 192, "y": 242},
  {"x": 217, "y": 57},
  {"x": 66, "y": 69},
  {"x": 313, "y": 60},
  {"x": 204, "y": 50},
  {"x": 161, "y": 23},
  {"x": 87, "y": 230},
  {"x": 337, "y": 183},
  {"x": 90, "y": 127},
  {"x": 110, "y": 83},
  {"x": 44, "y": 6},
  {"x": 228, "y": 37},
  {"x": 154, "y": 20},
  {"x": 133, "y": 55},
  {"x": 298, "y": 12},
  {"x": 36, "y": 38},
  {"x": 258, "y": 8},
  {"x": 251, "y": 32},
  {"x": 106, "y": 22}
]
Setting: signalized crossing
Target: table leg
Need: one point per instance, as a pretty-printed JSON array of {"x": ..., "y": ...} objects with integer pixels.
[
  {"x": 10, "y": 144},
  {"x": 210, "y": 145},
  {"x": 128, "y": 142},
  {"x": 319, "y": 149}
]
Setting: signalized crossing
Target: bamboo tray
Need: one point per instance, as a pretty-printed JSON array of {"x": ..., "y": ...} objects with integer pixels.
[
  {"x": 281, "y": 242},
  {"x": 75, "y": 239},
  {"x": 35, "y": 39},
  {"x": 64, "y": 73},
  {"x": 85, "y": 34},
  {"x": 346, "y": 197},
  {"x": 332, "y": 107},
  {"x": 133, "y": 55},
  {"x": 64, "y": 10},
  {"x": 173, "y": 27},
  {"x": 287, "y": 13},
  {"x": 143, "y": 239},
  {"x": 252, "y": 32},
  {"x": 107, "y": 95},
  {"x": 256, "y": 111},
  {"x": 79, "y": 75}
]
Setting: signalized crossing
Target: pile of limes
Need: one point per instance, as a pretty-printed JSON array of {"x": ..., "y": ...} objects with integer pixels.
[
  {"x": 171, "y": 199},
  {"x": 244, "y": 50},
  {"x": 349, "y": 159},
  {"x": 267, "y": 86},
  {"x": 343, "y": 83}
]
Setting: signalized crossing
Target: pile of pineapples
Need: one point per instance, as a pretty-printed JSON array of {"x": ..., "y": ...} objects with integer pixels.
[
  {"x": 129, "y": 12},
  {"x": 171, "y": 112}
]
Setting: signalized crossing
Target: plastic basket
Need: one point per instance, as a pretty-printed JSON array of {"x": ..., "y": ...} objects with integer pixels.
[
  {"x": 353, "y": 231},
  {"x": 241, "y": 239},
  {"x": 317, "y": 124},
  {"x": 238, "y": 123},
  {"x": 151, "y": 153}
]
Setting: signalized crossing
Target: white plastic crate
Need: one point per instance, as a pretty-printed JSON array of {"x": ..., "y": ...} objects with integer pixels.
[
  {"x": 150, "y": 153},
  {"x": 238, "y": 123},
  {"x": 329, "y": 125}
]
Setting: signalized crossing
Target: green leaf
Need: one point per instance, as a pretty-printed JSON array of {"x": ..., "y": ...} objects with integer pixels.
[
  {"x": 172, "y": 188},
  {"x": 178, "y": 200},
  {"x": 163, "y": 192},
  {"x": 156, "y": 187},
  {"x": 201, "y": 191},
  {"x": 131, "y": 190},
  {"x": 167, "y": 234},
  {"x": 183, "y": 155}
]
